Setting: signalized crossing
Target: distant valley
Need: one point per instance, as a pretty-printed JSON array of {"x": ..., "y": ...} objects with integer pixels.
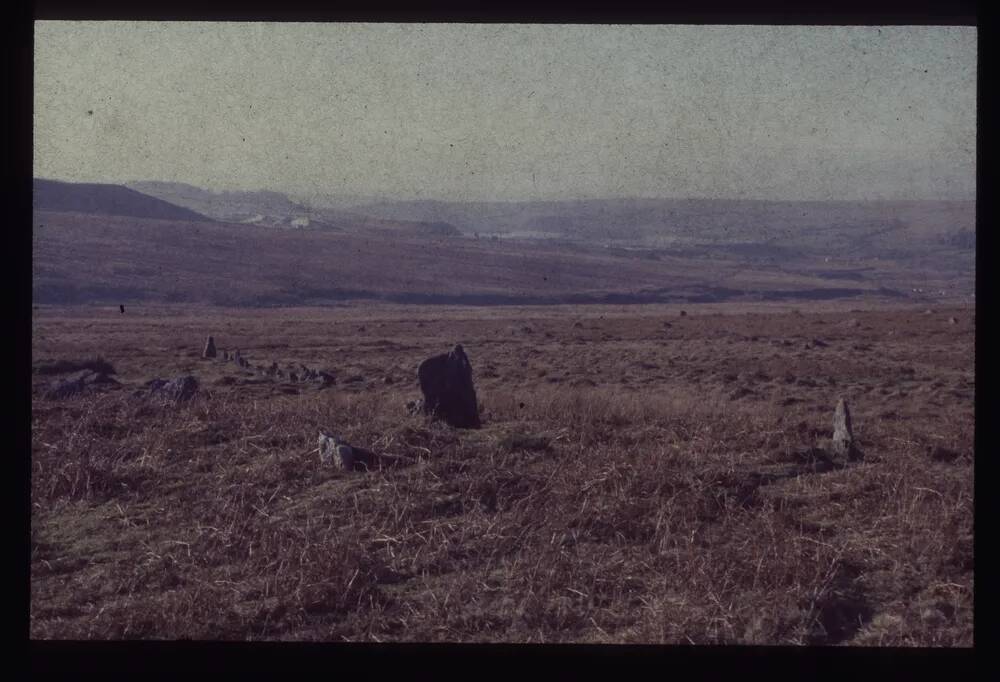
[{"x": 178, "y": 243}]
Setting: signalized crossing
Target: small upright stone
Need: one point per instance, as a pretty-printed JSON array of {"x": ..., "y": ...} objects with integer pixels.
[
  {"x": 235, "y": 357},
  {"x": 209, "y": 351},
  {"x": 843, "y": 435}
]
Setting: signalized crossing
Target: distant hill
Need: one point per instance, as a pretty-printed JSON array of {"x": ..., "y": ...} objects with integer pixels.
[
  {"x": 260, "y": 207},
  {"x": 100, "y": 199},
  {"x": 825, "y": 228},
  {"x": 265, "y": 208}
]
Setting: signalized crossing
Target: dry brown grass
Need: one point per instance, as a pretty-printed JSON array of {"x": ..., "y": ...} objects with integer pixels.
[{"x": 614, "y": 494}]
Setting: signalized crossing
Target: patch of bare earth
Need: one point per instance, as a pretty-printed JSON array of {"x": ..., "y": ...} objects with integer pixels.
[{"x": 622, "y": 488}]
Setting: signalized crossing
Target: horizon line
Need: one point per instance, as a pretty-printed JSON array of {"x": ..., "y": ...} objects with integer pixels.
[{"x": 305, "y": 194}]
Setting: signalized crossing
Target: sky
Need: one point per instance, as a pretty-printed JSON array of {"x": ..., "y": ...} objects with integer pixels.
[{"x": 511, "y": 112}]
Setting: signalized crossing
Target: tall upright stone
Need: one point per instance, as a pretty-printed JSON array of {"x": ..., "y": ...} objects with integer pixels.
[
  {"x": 843, "y": 434},
  {"x": 209, "y": 351},
  {"x": 449, "y": 394}
]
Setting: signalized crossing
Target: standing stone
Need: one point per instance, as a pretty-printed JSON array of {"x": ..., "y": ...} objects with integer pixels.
[
  {"x": 843, "y": 435},
  {"x": 235, "y": 356},
  {"x": 209, "y": 348},
  {"x": 449, "y": 394}
]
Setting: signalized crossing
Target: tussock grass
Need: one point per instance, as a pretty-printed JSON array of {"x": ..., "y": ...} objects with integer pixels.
[
  {"x": 596, "y": 514},
  {"x": 97, "y": 364}
]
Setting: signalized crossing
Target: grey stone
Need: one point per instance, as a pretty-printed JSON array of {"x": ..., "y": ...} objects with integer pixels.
[
  {"x": 209, "y": 351},
  {"x": 449, "y": 394},
  {"x": 843, "y": 434},
  {"x": 933, "y": 617},
  {"x": 176, "y": 390},
  {"x": 77, "y": 383},
  {"x": 335, "y": 450}
]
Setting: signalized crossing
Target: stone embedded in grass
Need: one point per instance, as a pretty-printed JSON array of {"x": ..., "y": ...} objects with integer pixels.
[
  {"x": 209, "y": 351},
  {"x": 175, "y": 390},
  {"x": 64, "y": 388},
  {"x": 942, "y": 454},
  {"x": 449, "y": 394},
  {"x": 523, "y": 441},
  {"x": 77, "y": 383},
  {"x": 335, "y": 450},
  {"x": 952, "y": 320},
  {"x": 739, "y": 392},
  {"x": 843, "y": 444}
]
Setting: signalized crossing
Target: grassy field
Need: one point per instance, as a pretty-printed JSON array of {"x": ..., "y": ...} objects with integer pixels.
[{"x": 617, "y": 492}]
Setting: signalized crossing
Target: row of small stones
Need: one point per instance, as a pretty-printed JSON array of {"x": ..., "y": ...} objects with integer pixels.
[{"x": 306, "y": 373}]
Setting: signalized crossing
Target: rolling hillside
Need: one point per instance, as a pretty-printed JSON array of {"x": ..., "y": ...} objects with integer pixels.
[
  {"x": 81, "y": 258},
  {"x": 115, "y": 200}
]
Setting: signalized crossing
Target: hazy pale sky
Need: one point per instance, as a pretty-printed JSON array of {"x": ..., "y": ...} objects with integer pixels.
[{"x": 481, "y": 112}]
